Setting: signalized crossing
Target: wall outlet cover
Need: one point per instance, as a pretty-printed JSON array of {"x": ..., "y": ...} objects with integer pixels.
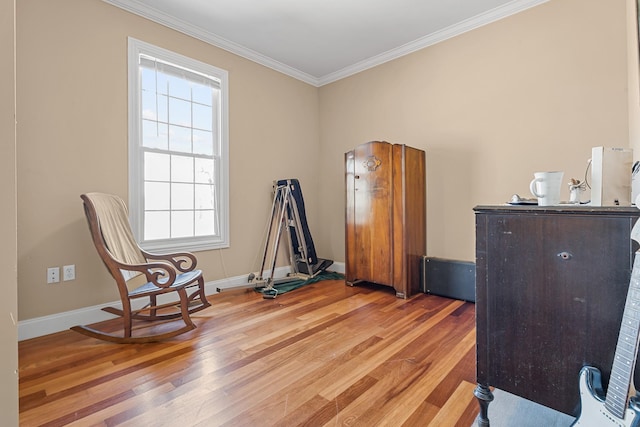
[
  {"x": 69, "y": 272},
  {"x": 53, "y": 274}
]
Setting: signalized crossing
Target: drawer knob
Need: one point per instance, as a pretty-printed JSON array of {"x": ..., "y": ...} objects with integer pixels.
[{"x": 565, "y": 255}]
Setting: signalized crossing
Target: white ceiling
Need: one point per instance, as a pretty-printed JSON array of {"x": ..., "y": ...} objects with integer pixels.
[{"x": 320, "y": 41}]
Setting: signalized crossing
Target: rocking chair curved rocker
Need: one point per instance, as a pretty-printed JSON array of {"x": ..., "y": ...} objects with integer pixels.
[{"x": 154, "y": 274}]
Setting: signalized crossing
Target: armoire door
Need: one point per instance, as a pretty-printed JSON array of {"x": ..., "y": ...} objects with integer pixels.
[{"x": 369, "y": 213}]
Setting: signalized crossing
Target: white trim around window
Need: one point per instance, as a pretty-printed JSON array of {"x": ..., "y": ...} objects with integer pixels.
[{"x": 195, "y": 214}]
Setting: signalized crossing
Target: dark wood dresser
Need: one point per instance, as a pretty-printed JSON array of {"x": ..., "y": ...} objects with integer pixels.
[{"x": 551, "y": 283}]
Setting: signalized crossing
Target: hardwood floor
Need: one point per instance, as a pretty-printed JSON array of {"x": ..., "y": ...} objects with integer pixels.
[{"x": 326, "y": 354}]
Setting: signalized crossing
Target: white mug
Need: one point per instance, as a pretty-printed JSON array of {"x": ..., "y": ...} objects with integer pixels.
[{"x": 546, "y": 187}]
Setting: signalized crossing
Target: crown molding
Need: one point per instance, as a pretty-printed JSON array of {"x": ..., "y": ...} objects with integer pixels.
[
  {"x": 138, "y": 8},
  {"x": 477, "y": 21},
  {"x": 141, "y": 9}
]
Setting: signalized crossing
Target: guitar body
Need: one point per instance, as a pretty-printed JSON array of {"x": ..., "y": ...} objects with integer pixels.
[{"x": 593, "y": 412}]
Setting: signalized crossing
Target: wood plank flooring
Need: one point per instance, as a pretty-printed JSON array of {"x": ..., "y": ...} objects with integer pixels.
[{"x": 323, "y": 355}]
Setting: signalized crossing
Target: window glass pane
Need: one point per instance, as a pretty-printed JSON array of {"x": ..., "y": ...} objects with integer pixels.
[
  {"x": 179, "y": 88},
  {"x": 206, "y": 223},
  {"x": 156, "y": 225},
  {"x": 204, "y": 196},
  {"x": 181, "y": 196},
  {"x": 149, "y": 105},
  {"x": 156, "y": 196},
  {"x": 204, "y": 171},
  {"x": 156, "y": 167},
  {"x": 179, "y": 139},
  {"x": 181, "y": 169},
  {"x": 179, "y": 112},
  {"x": 162, "y": 83},
  {"x": 182, "y": 224},
  {"x": 201, "y": 94},
  {"x": 202, "y": 117},
  {"x": 154, "y": 135},
  {"x": 202, "y": 142},
  {"x": 148, "y": 79},
  {"x": 163, "y": 108}
]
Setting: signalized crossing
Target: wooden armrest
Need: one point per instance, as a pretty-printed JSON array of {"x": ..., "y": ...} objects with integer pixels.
[
  {"x": 160, "y": 274},
  {"x": 182, "y": 261}
]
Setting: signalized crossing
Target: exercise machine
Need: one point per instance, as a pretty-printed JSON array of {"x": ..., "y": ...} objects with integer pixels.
[{"x": 288, "y": 218}]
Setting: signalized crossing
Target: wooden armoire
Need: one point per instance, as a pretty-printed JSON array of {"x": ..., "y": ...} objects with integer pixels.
[{"x": 385, "y": 236}]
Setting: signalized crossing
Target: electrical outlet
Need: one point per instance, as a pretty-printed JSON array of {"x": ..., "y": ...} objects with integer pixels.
[
  {"x": 53, "y": 274},
  {"x": 69, "y": 272}
]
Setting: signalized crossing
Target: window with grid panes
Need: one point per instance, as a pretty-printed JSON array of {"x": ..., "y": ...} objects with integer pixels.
[{"x": 178, "y": 178}]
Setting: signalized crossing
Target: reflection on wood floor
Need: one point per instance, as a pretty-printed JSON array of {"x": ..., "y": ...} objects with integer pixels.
[{"x": 325, "y": 354}]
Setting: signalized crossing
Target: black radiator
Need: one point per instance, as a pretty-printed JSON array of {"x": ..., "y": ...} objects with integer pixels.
[{"x": 449, "y": 278}]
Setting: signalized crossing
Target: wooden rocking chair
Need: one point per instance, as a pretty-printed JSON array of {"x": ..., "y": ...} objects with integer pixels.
[{"x": 140, "y": 274}]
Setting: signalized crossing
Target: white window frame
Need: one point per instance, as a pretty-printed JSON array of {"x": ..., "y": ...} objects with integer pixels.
[{"x": 136, "y": 154}]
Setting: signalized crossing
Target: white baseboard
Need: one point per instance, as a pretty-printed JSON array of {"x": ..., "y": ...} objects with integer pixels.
[
  {"x": 338, "y": 267},
  {"x": 39, "y": 326}
]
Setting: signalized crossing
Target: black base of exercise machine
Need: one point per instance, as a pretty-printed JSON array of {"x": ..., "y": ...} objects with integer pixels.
[{"x": 287, "y": 216}]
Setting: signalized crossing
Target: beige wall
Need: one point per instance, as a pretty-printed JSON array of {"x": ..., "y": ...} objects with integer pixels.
[
  {"x": 531, "y": 92},
  {"x": 633, "y": 77},
  {"x": 8, "y": 260},
  {"x": 72, "y": 100}
]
